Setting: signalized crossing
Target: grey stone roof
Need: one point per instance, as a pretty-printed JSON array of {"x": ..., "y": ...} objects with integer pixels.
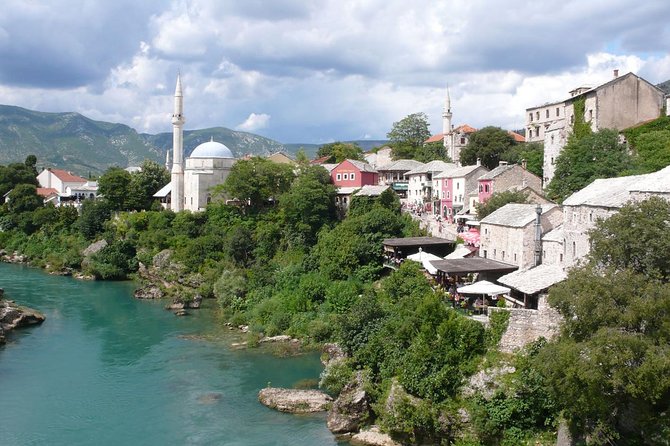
[
  {"x": 402, "y": 165},
  {"x": 555, "y": 235},
  {"x": 329, "y": 166},
  {"x": 458, "y": 172},
  {"x": 607, "y": 192},
  {"x": 534, "y": 280},
  {"x": 657, "y": 182},
  {"x": 497, "y": 171},
  {"x": 371, "y": 191},
  {"x": 433, "y": 166},
  {"x": 515, "y": 215},
  {"x": 362, "y": 166}
]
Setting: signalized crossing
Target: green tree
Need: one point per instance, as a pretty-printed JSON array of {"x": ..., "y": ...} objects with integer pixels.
[
  {"x": 339, "y": 151},
  {"x": 94, "y": 214},
  {"x": 431, "y": 151},
  {"x": 532, "y": 153},
  {"x": 114, "y": 186},
  {"x": 609, "y": 370},
  {"x": 637, "y": 238},
  {"x": 307, "y": 206},
  {"x": 488, "y": 144},
  {"x": 13, "y": 174},
  {"x": 498, "y": 200},
  {"x": 652, "y": 151},
  {"x": 256, "y": 182},
  {"x": 31, "y": 163},
  {"x": 24, "y": 198},
  {"x": 596, "y": 155},
  {"x": 145, "y": 183},
  {"x": 408, "y": 134}
]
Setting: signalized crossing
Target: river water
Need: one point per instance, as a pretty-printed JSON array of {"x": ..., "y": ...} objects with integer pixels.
[{"x": 107, "y": 369}]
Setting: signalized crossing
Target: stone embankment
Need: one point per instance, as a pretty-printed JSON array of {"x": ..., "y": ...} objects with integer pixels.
[
  {"x": 295, "y": 400},
  {"x": 14, "y": 316}
]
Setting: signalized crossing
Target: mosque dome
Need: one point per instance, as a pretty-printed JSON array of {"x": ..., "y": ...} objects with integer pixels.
[{"x": 211, "y": 149}]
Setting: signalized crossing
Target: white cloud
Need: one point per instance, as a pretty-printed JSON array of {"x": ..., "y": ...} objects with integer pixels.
[
  {"x": 254, "y": 122},
  {"x": 336, "y": 70}
]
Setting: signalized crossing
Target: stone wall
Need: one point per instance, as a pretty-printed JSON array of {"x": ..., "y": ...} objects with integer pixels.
[
  {"x": 577, "y": 221},
  {"x": 526, "y": 326}
]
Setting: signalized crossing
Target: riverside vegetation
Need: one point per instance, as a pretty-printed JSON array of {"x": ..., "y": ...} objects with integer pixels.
[{"x": 281, "y": 263}]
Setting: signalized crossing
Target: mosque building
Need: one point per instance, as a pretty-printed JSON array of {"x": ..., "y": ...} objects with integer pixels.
[{"x": 208, "y": 165}]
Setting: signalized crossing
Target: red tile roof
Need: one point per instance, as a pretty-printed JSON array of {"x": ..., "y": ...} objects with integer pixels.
[
  {"x": 321, "y": 160},
  {"x": 516, "y": 136},
  {"x": 67, "y": 177},
  {"x": 435, "y": 138},
  {"x": 465, "y": 129},
  {"x": 46, "y": 191}
]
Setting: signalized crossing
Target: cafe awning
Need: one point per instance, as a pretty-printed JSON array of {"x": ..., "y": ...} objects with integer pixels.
[{"x": 483, "y": 287}]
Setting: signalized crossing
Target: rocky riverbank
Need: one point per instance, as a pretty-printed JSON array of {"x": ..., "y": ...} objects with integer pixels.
[{"x": 14, "y": 316}]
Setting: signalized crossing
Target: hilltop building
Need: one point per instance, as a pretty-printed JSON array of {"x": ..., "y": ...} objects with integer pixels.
[
  {"x": 454, "y": 139},
  {"x": 192, "y": 182},
  {"x": 623, "y": 102},
  {"x": 59, "y": 186}
]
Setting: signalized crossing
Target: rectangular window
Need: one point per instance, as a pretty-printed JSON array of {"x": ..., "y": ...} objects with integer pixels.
[
  {"x": 352, "y": 176},
  {"x": 486, "y": 231},
  {"x": 560, "y": 258},
  {"x": 530, "y": 117},
  {"x": 558, "y": 111},
  {"x": 485, "y": 253},
  {"x": 537, "y": 115},
  {"x": 462, "y": 140},
  {"x": 345, "y": 176},
  {"x": 503, "y": 255},
  {"x": 480, "y": 188},
  {"x": 339, "y": 177},
  {"x": 547, "y": 113},
  {"x": 494, "y": 253},
  {"x": 486, "y": 188},
  {"x": 448, "y": 195},
  {"x": 458, "y": 185},
  {"x": 515, "y": 257}
]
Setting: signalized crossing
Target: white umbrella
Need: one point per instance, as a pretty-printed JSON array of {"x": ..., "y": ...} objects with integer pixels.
[
  {"x": 459, "y": 253},
  {"x": 421, "y": 256},
  {"x": 483, "y": 287}
]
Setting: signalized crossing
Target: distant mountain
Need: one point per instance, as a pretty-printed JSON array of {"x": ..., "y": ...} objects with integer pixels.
[
  {"x": 74, "y": 142},
  {"x": 311, "y": 149}
]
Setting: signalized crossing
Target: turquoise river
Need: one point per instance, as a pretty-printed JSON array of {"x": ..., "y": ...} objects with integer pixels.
[{"x": 107, "y": 369}]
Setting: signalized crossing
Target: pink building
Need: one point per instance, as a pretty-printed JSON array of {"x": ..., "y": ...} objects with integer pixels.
[
  {"x": 455, "y": 185},
  {"x": 353, "y": 173}
]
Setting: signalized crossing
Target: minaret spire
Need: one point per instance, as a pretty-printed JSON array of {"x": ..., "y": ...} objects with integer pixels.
[
  {"x": 446, "y": 127},
  {"x": 177, "y": 202}
]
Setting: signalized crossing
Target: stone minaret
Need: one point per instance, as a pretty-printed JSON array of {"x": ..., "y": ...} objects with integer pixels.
[
  {"x": 177, "y": 202},
  {"x": 446, "y": 126}
]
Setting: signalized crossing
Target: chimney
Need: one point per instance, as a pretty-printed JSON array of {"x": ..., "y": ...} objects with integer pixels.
[
  {"x": 538, "y": 235},
  {"x": 524, "y": 164},
  {"x": 479, "y": 160},
  {"x": 616, "y": 73}
]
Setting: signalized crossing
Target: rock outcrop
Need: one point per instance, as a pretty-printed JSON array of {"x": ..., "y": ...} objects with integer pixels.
[
  {"x": 14, "y": 316},
  {"x": 294, "y": 400},
  {"x": 351, "y": 408},
  {"x": 373, "y": 437}
]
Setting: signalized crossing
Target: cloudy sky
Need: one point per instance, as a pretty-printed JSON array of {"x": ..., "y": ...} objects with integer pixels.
[{"x": 318, "y": 71}]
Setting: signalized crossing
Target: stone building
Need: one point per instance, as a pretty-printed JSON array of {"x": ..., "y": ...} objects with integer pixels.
[
  {"x": 209, "y": 164},
  {"x": 601, "y": 199},
  {"x": 509, "y": 233},
  {"x": 506, "y": 177},
  {"x": 394, "y": 174},
  {"x": 623, "y": 102},
  {"x": 422, "y": 187}
]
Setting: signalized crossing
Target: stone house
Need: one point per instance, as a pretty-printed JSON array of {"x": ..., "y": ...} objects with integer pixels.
[
  {"x": 620, "y": 103},
  {"x": 506, "y": 177},
  {"x": 422, "y": 188},
  {"x": 600, "y": 200},
  {"x": 552, "y": 247},
  {"x": 394, "y": 174},
  {"x": 509, "y": 234},
  {"x": 383, "y": 157},
  {"x": 454, "y": 185}
]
